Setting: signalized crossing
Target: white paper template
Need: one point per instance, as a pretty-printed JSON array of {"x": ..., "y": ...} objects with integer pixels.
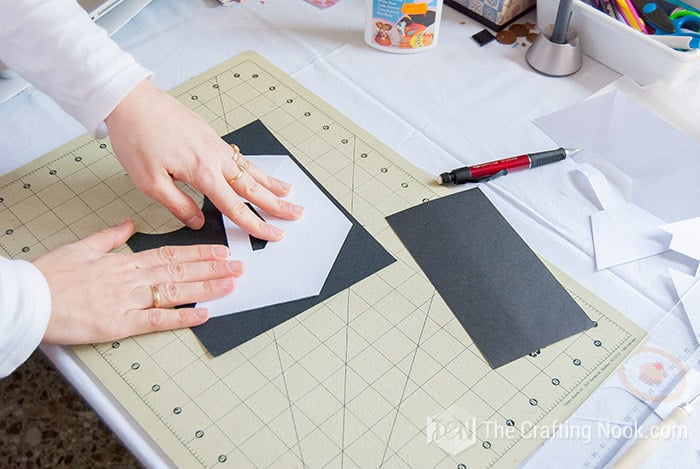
[
  {"x": 295, "y": 267},
  {"x": 662, "y": 162}
]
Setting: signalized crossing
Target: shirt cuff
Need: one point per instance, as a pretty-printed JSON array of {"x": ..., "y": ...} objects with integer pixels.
[
  {"x": 93, "y": 117},
  {"x": 26, "y": 304}
]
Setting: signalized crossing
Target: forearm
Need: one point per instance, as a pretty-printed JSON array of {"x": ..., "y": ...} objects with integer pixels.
[
  {"x": 25, "y": 308},
  {"x": 55, "y": 46}
]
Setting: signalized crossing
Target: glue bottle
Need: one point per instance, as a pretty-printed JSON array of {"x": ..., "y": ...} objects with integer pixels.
[{"x": 403, "y": 26}]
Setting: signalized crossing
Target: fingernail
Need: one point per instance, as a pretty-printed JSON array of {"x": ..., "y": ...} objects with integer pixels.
[
  {"x": 196, "y": 222},
  {"x": 221, "y": 251},
  {"x": 285, "y": 186},
  {"x": 297, "y": 209},
  {"x": 201, "y": 313},
  {"x": 236, "y": 266},
  {"x": 277, "y": 233},
  {"x": 226, "y": 283}
]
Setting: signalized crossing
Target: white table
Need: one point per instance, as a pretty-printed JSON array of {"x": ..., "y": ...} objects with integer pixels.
[{"x": 454, "y": 105}]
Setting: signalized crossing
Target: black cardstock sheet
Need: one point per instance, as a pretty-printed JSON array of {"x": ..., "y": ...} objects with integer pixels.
[
  {"x": 500, "y": 291},
  {"x": 359, "y": 257}
]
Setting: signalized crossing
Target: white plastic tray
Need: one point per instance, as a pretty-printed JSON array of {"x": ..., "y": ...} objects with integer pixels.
[{"x": 622, "y": 48}]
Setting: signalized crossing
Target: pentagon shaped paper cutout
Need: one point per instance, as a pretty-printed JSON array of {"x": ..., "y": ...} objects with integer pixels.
[{"x": 297, "y": 266}]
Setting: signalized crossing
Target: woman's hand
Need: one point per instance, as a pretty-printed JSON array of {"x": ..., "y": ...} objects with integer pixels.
[
  {"x": 97, "y": 295},
  {"x": 158, "y": 141}
]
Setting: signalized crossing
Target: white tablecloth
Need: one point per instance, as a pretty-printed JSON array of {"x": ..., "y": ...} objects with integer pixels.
[{"x": 456, "y": 104}]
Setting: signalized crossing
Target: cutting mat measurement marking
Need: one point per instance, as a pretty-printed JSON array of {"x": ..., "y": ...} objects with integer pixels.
[{"x": 348, "y": 383}]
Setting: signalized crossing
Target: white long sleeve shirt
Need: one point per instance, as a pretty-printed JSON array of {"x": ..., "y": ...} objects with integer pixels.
[
  {"x": 25, "y": 306},
  {"x": 55, "y": 46}
]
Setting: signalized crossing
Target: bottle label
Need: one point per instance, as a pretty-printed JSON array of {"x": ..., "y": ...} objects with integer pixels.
[{"x": 404, "y": 24}]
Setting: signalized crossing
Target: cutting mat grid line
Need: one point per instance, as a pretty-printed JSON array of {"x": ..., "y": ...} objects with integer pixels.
[
  {"x": 504, "y": 417},
  {"x": 349, "y": 382}
]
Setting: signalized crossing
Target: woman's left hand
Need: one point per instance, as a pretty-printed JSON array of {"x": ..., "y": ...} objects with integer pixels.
[{"x": 98, "y": 295}]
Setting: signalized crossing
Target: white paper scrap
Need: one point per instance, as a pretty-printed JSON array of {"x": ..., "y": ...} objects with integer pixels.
[
  {"x": 689, "y": 294},
  {"x": 686, "y": 237},
  {"x": 622, "y": 232}
]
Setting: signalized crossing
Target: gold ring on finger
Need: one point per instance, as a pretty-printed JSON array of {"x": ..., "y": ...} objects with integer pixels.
[
  {"x": 156, "y": 296},
  {"x": 243, "y": 164},
  {"x": 236, "y": 151},
  {"x": 237, "y": 176}
]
